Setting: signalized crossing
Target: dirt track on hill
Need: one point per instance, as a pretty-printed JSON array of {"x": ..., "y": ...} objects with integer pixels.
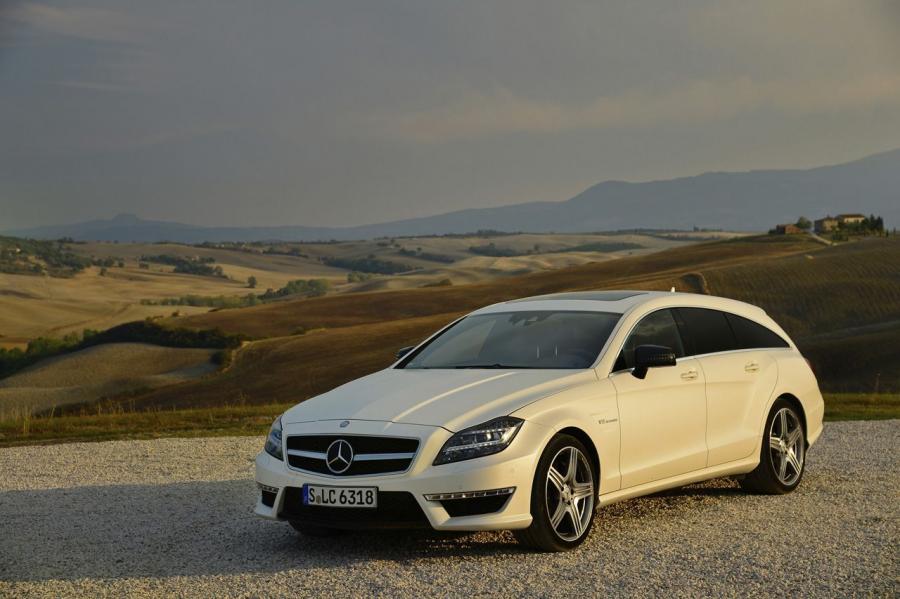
[{"x": 173, "y": 516}]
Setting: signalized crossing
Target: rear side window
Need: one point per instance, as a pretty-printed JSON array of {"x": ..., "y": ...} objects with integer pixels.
[
  {"x": 705, "y": 331},
  {"x": 751, "y": 334},
  {"x": 658, "y": 328}
]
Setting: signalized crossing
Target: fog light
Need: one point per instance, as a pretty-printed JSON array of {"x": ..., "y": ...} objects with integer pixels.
[
  {"x": 267, "y": 488},
  {"x": 470, "y": 494}
]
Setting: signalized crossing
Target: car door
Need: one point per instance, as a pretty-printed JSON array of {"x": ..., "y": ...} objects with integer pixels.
[
  {"x": 662, "y": 417},
  {"x": 738, "y": 374}
]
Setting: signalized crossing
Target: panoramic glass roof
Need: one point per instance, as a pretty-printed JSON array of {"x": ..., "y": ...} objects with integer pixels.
[{"x": 598, "y": 296}]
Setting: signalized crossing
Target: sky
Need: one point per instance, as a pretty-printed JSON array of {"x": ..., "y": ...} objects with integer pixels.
[{"x": 295, "y": 112}]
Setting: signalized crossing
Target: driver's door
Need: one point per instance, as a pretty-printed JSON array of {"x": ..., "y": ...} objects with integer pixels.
[{"x": 662, "y": 417}]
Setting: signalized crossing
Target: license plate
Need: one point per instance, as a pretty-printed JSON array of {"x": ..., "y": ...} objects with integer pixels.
[{"x": 340, "y": 496}]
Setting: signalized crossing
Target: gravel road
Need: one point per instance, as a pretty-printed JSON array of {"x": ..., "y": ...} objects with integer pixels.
[{"x": 172, "y": 517}]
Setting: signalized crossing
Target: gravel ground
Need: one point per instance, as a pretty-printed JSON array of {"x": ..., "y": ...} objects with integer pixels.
[{"x": 172, "y": 517}]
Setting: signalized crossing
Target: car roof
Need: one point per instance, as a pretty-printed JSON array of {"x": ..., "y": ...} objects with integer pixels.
[{"x": 620, "y": 302}]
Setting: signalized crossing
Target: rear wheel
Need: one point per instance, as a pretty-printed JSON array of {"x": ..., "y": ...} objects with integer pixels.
[
  {"x": 783, "y": 455},
  {"x": 311, "y": 530},
  {"x": 563, "y": 497}
]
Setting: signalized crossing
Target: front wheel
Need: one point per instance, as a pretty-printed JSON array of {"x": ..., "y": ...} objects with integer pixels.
[
  {"x": 783, "y": 455},
  {"x": 563, "y": 497}
]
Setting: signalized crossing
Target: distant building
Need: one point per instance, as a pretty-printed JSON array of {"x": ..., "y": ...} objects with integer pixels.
[
  {"x": 788, "y": 229},
  {"x": 826, "y": 225},
  {"x": 832, "y": 223},
  {"x": 851, "y": 219}
]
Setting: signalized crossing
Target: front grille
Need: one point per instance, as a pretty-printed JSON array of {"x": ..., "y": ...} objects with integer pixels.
[
  {"x": 371, "y": 455},
  {"x": 396, "y": 509}
]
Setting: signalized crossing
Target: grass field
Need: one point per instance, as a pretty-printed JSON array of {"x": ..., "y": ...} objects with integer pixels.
[{"x": 113, "y": 422}]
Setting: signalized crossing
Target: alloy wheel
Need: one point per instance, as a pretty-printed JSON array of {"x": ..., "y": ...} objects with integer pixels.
[
  {"x": 787, "y": 446},
  {"x": 570, "y": 493}
]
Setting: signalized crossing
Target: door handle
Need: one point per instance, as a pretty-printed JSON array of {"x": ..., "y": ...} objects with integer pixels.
[
  {"x": 689, "y": 375},
  {"x": 751, "y": 367}
]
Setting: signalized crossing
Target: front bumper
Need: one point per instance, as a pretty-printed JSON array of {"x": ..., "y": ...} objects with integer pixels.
[{"x": 513, "y": 467}]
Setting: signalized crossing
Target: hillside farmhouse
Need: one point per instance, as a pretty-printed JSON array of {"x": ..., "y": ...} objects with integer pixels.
[
  {"x": 788, "y": 229},
  {"x": 830, "y": 223}
]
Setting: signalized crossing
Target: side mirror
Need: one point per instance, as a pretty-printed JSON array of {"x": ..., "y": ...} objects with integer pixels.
[
  {"x": 404, "y": 350},
  {"x": 651, "y": 356}
]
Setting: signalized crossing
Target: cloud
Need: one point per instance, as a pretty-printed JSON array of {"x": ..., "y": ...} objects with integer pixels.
[
  {"x": 479, "y": 115},
  {"x": 94, "y": 24}
]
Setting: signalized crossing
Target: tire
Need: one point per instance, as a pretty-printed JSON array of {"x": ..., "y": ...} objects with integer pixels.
[
  {"x": 782, "y": 457},
  {"x": 311, "y": 530},
  {"x": 573, "y": 493}
]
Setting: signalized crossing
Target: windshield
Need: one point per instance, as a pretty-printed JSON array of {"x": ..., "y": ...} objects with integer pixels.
[{"x": 538, "y": 339}]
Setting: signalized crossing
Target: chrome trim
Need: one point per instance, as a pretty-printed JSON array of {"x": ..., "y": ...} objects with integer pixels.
[
  {"x": 469, "y": 494},
  {"x": 302, "y": 453},
  {"x": 267, "y": 488},
  {"x": 359, "y": 457},
  {"x": 368, "y": 457}
]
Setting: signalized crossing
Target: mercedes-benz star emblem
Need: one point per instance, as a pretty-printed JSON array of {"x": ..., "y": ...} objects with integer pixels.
[{"x": 339, "y": 456}]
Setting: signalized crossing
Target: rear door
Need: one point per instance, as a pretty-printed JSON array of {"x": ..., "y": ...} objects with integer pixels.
[
  {"x": 663, "y": 416},
  {"x": 738, "y": 374}
]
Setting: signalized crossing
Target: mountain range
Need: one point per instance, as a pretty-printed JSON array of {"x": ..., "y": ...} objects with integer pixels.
[{"x": 739, "y": 201}]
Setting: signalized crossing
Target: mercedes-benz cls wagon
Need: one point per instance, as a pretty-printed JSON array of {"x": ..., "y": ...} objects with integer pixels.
[{"x": 529, "y": 415}]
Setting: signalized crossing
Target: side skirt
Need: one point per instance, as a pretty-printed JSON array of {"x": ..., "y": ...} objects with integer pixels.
[{"x": 737, "y": 467}]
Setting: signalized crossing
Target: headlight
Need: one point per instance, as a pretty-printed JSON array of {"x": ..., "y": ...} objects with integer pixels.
[
  {"x": 273, "y": 441},
  {"x": 481, "y": 440}
]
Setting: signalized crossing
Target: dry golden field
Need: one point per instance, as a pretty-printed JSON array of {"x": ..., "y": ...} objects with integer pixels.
[{"x": 97, "y": 372}]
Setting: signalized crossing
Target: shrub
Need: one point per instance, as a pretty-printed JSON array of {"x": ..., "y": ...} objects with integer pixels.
[
  {"x": 370, "y": 264},
  {"x": 310, "y": 288}
]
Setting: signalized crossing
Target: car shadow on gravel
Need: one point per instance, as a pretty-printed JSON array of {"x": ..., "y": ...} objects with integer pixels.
[
  {"x": 191, "y": 528},
  {"x": 207, "y": 528}
]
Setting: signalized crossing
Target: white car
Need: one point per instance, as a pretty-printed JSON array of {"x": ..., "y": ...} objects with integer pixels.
[{"x": 530, "y": 414}]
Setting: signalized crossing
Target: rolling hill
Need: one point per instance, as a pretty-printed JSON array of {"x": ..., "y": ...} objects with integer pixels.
[
  {"x": 841, "y": 303},
  {"x": 743, "y": 201},
  {"x": 122, "y": 286}
]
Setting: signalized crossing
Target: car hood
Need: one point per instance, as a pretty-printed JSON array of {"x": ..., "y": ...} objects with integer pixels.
[{"x": 452, "y": 399}]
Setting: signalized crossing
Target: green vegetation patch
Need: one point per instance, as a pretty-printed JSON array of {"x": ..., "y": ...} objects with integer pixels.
[
  {"x": 431, "y": 257},
  {"x": 105, "y": 424},
  {"x": 192, "y": 266},
  {"x": 308, "y": 288},
  {"x": 862, "y": 406},
  {"x": 370, "y": 264},
  {"x": 206, "y": 301},
  {"x": 34, "y": 257}
]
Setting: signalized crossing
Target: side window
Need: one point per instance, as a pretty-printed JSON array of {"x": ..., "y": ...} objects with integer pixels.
[
  {"x": 658, "y": 328},
  {"x": 705, "y": 331},
  {"x": 752, "y": 334}
]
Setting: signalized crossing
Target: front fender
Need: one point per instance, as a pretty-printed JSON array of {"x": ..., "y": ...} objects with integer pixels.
[{"x": 592, "y": 409}]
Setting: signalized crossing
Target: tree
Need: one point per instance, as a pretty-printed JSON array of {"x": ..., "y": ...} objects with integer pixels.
[
  {"x": 251, "y": 282},
  {"x": 803, "y": 223}
]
